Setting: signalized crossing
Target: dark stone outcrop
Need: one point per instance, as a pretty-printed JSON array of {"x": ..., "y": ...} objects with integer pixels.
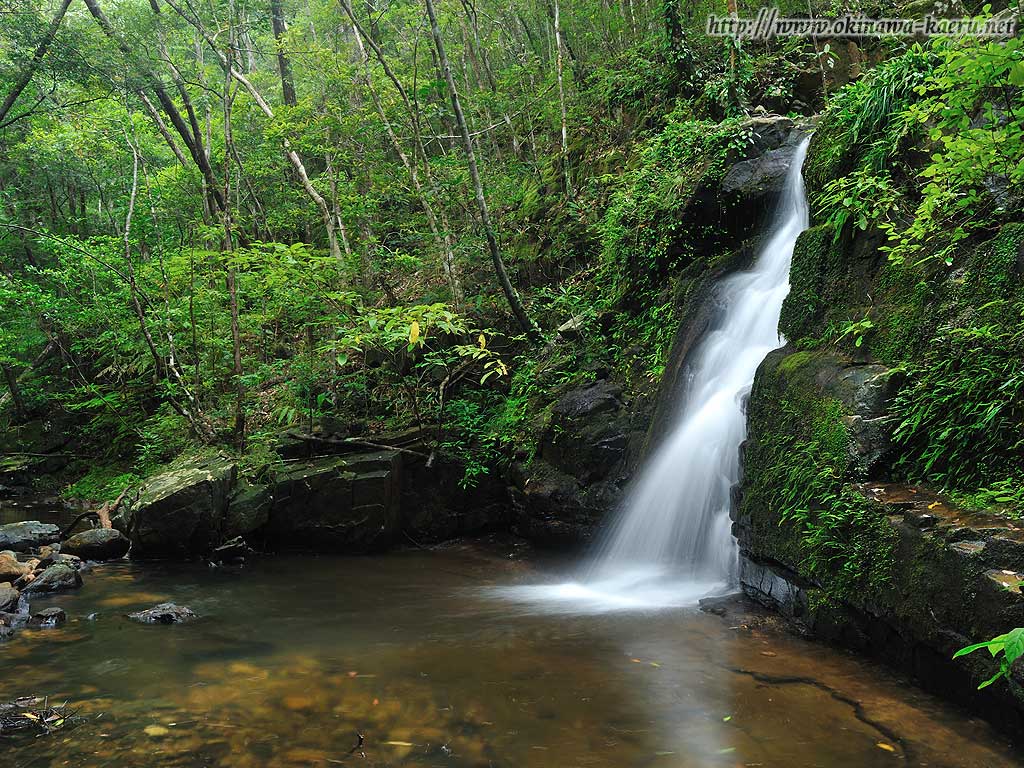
[
  {"x": 27, "y": 536},
  {"x": 59, "y": 577},
  {"x": 180, "y": 512},
  {"x": 97, "y": 544},
  {"x": 348, "y": 503},
  {"x": 164, "y": 613}
]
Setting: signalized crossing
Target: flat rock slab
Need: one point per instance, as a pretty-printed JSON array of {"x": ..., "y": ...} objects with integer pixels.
[
  {"x": 97, "y": 544},
  {"x": 165, "y": 613},
  {"x": 28, "y": 535}
]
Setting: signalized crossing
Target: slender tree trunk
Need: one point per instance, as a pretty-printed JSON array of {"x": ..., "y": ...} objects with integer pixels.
[
  {"x": 231, "y": 281},
  {"x": 283, "y": 65},
  {"x": 15, "y": 389},
  {"x": 511, "y": 295},
  {"x": 441, "y": 239},
  {"x": 561, "y": 103},
  {"x": 153, "y": 80},
  {"x": 293, "y": 156},
  {"x": 25, "y": 76}
]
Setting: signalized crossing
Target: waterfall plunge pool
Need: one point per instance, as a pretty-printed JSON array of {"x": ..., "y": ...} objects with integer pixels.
[{"x": 293, "y": 655}]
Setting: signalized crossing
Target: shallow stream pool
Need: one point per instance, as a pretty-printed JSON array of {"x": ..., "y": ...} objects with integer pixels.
[{"x": 295, "y": 656}]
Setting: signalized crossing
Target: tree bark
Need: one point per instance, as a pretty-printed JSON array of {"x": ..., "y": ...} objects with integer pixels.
[{"x": 511, "y": 295}]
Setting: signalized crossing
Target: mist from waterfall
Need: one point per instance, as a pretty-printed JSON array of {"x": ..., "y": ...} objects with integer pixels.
[{"x": 671, "y": 543}]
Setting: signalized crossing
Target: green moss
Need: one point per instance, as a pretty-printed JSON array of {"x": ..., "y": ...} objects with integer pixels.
[
  {"x": 830, "y": 154},
  {"x": 815, "y": 268},
  {"x": 799, "y": 499}
]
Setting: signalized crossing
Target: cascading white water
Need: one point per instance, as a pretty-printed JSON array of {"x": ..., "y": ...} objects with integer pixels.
[{"x": 672, "y": 543}]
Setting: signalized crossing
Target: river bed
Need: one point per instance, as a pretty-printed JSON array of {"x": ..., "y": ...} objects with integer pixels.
[{"x": 295, "y": 656}]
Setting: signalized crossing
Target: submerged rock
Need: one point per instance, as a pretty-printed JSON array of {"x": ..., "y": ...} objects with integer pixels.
[
  {"x": 28, "y": 535},
  {"x": 165, "y": 613},
  {"x": 97, "y": 544},
  {"x": 48, "y": 618},
  {"x": 59, "y": 577}
]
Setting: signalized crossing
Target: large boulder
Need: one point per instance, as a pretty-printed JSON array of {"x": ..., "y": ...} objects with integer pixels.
[
  {"x": 248, "y": 509},
  {"x": 340, "y": 503},
  {"x": 180, "y": 513},
  {"x": 27, "y": 536},
  {"x": 563, "y": 495},
  {"x": 59, "y": 577},
  {"x": 97, "y": 544}
]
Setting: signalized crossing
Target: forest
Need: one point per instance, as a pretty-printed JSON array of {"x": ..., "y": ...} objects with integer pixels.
[{"x": 394, "y": 277}]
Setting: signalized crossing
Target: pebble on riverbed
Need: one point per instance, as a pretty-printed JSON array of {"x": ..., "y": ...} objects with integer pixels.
[{"x": 165, "y": 613}]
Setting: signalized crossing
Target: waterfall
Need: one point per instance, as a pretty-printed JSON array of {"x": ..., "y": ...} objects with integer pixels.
[{"x": 672, "y": 543}]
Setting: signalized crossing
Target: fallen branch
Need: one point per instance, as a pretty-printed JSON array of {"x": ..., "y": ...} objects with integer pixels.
[{"x": 356, "y": 441}]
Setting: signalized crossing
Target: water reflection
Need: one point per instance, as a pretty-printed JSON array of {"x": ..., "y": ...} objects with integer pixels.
[{"x": 294, "y": 657}]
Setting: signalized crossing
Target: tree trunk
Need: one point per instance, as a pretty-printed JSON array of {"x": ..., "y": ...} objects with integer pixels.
[
  {"x": 561, "y": 103},
  {"x": 283, "y": 65},
  {"x": 15, "y": 389},
  {"x": 514, "y": 302}
]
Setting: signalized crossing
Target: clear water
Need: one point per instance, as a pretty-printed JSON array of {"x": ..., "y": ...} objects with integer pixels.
[
  {"x": 672, "y": 544},
  {"x": 295, "y": 655}
]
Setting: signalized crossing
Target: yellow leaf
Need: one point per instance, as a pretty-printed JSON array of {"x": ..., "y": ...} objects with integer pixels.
[
  {"x": 483, "y": 341},
  {"x": 933, "y": 505},
  {"x": 155, "y": 730},
  {"x": 400, "y": 743},
  {"x": 30, "y": 716},
  {"x": 886, "y": 747},
  {"x": 414, "y": 332}
]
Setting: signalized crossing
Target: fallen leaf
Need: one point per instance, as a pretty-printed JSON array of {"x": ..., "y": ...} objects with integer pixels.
[
  {"x": 769, "y": 653},
  {"x": 155, "y": 731},
  {"x": 400, "y": 743},
  {"x": 934, "y": 504},
  {"x": 886, "y": 747}
]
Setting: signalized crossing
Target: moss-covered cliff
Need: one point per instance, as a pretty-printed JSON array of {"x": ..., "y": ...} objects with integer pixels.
[{"x": 883, "y": 478}]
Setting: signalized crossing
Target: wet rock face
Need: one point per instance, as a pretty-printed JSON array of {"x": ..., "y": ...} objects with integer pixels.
[
  {"x": 765, "y": 174},
  {"x": 164, "y": 613},
  {"x": 59, "y": 577},
  {"x": 180, "y": 512},
  {"x": 27, "y": 536},
  {"x": 97, "y": 544}
]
